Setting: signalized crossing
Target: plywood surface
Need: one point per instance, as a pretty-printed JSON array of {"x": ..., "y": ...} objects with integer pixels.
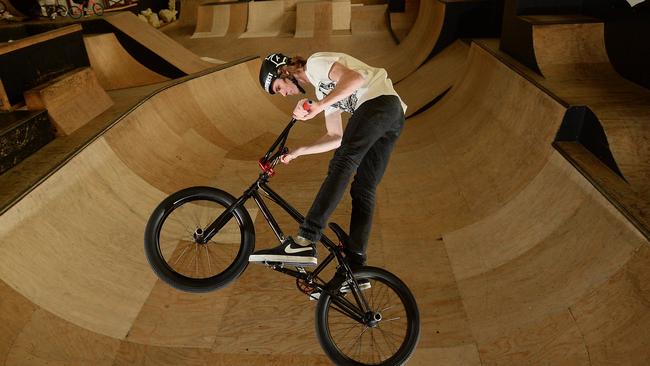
[
  {"x": 434, "y": 77},
  {"x": 212, "y": 21},
  {"x": 114, "y": 67},
  {"x": 377, "y": 48},
  {"x": 269, "y": 19},
  {"x": 574, "y": 62},
  {"x": 71, "y": 100},
  {"x": 513, "y": 256},
  {"x": 158, "y": 42}
]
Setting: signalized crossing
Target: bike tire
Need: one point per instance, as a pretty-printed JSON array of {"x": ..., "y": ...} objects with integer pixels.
[
  {"x": 412, "y": 321},
  {"x": 155, "y": 255},
  {"x": 98, "y": 9},
  {"x": 76, "y": 12}
]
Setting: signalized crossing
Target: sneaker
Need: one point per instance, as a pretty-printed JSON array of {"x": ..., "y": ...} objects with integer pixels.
[
  {"x": 288, "y": 253},
  {"x": 364, "y": 284}
]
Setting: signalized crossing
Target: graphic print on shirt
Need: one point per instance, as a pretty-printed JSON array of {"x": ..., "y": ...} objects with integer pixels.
[{"x": 348, "y": 104}]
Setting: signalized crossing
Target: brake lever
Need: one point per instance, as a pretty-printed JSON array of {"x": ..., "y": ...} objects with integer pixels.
[{"x": 278, "y": 155}]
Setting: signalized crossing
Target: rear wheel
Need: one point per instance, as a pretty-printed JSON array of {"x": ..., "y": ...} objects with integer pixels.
[
  {"x": 389, "y": 331},
  {"x": 175, "y": 247}
]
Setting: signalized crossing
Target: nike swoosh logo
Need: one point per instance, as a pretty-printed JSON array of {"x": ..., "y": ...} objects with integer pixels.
[{"x": 289, "y": 250}]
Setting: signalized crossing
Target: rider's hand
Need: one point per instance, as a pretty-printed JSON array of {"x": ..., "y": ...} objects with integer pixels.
[
  {"x": 301, "y": 114},
  {"x": 286, "y": 158}
]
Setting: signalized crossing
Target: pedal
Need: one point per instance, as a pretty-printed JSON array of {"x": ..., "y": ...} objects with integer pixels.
[
  {"x": 299, "y": 266},
  {"x": 274, "y": 265}
]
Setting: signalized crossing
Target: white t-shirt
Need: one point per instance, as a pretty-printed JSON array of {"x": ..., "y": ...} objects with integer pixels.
[{"x": 376, "y": 82}]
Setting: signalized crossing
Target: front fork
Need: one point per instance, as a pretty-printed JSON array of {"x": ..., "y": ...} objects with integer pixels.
[{"x": 225, "y": 216}]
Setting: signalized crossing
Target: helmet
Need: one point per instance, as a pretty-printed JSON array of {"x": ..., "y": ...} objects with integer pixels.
[{"x": 269, "y": 70}]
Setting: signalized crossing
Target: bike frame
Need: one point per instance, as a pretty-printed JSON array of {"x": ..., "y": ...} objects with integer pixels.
[{"x": 267, "y": 164}]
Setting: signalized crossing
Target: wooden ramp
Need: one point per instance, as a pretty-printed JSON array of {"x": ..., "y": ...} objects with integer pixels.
[
  {"x": 219, "y": 20},
  {"x": 71, "y": 100},
  {"x": 115, "y": 68},
  {"x": 416, "y": 47},
  {"x": 157, "y": 42},
  {"x": 274, "y": 18},
  {"x": 434, "y": 78},
  {"x": 369, "y": 18},
  {"x": 377, "y": 48},
  {"x": 513, "y": 256},
  {"x": 575, "y": 65},
  {"x": 539, "y": 259}
]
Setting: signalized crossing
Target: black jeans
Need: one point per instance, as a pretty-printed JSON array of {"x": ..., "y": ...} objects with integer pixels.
[{"x": 367, "y": 143}]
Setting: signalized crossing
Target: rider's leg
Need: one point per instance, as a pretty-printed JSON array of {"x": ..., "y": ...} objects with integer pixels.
[
  {"x": 360, "y": 134},
  {"x": 363, "y": 189},
  {"x": 367, "y": 125}
]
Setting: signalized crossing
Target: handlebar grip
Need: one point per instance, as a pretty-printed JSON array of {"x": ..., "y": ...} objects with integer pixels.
[{"x": 307, "y": 105}]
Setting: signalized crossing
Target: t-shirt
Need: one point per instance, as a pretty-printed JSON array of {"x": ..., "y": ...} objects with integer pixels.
[{"x": 376, "y": 79}]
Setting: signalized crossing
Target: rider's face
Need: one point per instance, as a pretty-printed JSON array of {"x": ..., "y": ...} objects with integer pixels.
[{"x": 285, "y": 87}]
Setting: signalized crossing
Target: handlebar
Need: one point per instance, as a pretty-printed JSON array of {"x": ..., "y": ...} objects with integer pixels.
[
  {"x": 277, "y": 149},
  {"x": 272, "y": 156}
]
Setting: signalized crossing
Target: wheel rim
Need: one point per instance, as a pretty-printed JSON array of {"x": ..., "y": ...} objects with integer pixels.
[
  {"x": 371, "y": 345},
  {"x": 186, "y": 256}
]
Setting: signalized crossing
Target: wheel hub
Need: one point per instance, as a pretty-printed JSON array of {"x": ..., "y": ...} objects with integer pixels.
[
  {"x": 199, "y": 236},
  {"x": 372, "y": 319}
]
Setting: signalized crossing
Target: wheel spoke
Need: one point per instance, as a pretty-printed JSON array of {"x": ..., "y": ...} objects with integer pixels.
[
  {"x": 390, "y": 336},
  {"x": 180, "y": 227},
  {"x": 182, "y": 254},
  {"x": 361, "y": 343},
  {"x": 196, "y": 257},
  {"x": 207, "y": 253},
  {"x": 391, "y": 319},
  {"x": 172, "y": 231}
]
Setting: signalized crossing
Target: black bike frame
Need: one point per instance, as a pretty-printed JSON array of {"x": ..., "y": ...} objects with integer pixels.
[{"x": 267, "y": 163}]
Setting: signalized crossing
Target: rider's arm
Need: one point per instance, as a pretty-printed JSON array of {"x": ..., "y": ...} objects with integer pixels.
[
  {"x": 347, "y": 82},
  {"x": 330, "y": 141}
]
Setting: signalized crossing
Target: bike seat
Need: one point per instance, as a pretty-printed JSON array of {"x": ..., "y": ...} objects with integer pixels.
[{"x": 340, "y": 233}]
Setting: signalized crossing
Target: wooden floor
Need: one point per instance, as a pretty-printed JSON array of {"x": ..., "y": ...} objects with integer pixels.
[{"x": 514, "y": 257}]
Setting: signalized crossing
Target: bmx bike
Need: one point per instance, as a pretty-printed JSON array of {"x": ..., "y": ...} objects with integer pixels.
[
  {"x": 79, "y": 10},
  {"x": 52, "y": 11},
  {"x": 199, "y": 240}
]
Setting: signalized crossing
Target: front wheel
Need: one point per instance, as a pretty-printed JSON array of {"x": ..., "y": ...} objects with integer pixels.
[
  {"x": 178, "y": 253},
  {"x": 388, "y": 334}
]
